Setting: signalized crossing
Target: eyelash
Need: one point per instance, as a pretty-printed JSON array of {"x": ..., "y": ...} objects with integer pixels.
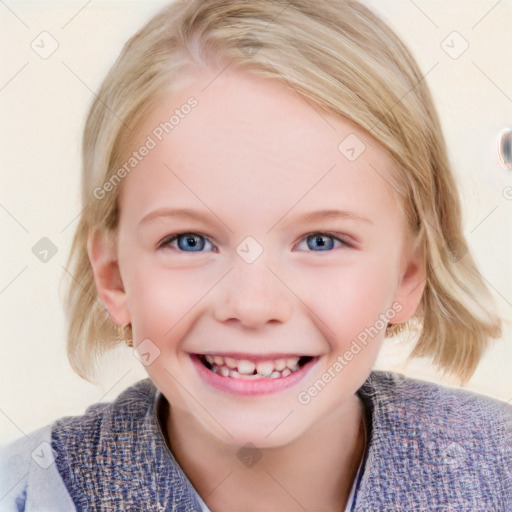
[{"x": 171, "y": 238}]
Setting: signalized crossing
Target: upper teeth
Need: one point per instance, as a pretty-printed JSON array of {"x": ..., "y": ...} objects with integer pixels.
[{"x": 229, "y": 366}]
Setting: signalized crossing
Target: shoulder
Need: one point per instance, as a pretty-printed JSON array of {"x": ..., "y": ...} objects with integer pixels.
[
  {"x": 132, "y": 403},
  {"x": 103, "y": 422},
  {"x": 429, "y": 406},
  {"x": 29, "y": 463},
  {"x": 30, "y": 467},
  {"x": 435, "y": 443}
]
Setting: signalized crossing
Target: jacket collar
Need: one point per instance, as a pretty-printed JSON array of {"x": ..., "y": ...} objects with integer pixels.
[{"x": 117, "y": 451}]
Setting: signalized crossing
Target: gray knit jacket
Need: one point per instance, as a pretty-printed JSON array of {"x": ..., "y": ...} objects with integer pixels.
[{"x": 430, "y": 448}]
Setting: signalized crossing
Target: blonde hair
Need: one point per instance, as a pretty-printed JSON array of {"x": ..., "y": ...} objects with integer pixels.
[{"x": 344, "y": 58}]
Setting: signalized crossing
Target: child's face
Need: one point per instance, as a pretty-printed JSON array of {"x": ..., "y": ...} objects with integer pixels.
[{"x": 254, "y": 165}]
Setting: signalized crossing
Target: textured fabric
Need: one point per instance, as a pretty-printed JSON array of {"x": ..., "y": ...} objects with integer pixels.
[
  {"x": 435, "y": 449},
  {"x": 115, "y": 458},
  {"x": 429, "y": 448}
]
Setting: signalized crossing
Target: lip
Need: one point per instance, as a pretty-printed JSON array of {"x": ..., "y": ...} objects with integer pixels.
[{"x": 251, "y": 387}]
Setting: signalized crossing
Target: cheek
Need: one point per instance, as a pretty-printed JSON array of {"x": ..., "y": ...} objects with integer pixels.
[
  {"x": 156, "y": 298},
  {"x": 163, "y": 301},
  {"x": 350, "y": 299}
]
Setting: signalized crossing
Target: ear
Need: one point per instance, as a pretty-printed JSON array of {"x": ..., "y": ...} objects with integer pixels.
[
  {"x": 102, "y": 251},
  {"x": 412, "y": 282}
]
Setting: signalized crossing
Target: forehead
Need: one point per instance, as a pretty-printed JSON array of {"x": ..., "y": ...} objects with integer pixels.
[{"x": 258, "y": 145}]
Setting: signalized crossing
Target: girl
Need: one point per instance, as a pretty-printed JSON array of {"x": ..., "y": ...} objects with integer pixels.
[{"x": 268, "y": 197}]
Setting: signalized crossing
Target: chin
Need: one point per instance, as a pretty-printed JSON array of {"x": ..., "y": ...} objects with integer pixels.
[{"x": 261, "y": 431}]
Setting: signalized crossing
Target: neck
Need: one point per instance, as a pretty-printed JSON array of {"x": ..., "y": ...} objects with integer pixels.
[{"x": 313, "y": 472}]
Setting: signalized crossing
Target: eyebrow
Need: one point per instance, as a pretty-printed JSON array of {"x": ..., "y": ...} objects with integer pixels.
[
  {"x": 307, "y": 217},
  {"x": 172, "y": 212},
  {"x": 328, "y": 214}
]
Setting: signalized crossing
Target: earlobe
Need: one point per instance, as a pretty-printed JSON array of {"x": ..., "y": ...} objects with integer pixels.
[
  {"x": 412, "y": 283},
  {"x": 102, "y": 252}
]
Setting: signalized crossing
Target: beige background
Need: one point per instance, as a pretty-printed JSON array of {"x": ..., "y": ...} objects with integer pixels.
[{"x": 43, "y": 104}]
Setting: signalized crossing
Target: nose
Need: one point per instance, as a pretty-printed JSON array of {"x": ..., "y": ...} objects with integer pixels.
[{"x": 251, "y": 295}]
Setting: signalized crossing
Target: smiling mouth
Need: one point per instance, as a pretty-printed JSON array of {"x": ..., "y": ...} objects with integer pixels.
[{"x": 246, "y": 369}]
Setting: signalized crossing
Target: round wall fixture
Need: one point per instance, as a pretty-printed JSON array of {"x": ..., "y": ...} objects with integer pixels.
[{"x": 505, "y": 148}]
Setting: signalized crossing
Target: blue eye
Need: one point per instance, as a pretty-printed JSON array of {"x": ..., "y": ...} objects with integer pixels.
[
  {"x": 187, "y": 242},
  {"x": 194, "y": 242},
  {"x": 322, "y": 242}
]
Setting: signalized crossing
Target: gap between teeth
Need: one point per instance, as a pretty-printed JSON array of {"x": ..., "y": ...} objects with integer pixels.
[{"x": 229, "y": 367}]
